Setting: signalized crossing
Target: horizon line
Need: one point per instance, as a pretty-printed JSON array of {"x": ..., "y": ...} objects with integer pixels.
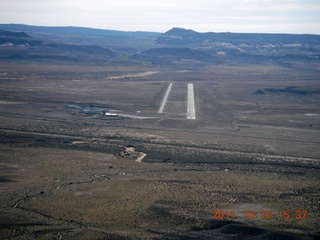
[{"x": 148, "y": 31}]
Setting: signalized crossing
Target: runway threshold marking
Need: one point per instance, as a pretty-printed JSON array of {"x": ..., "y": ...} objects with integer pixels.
[
  {"x": 191, "y": 113},
  {"x": 165, "y": 98}
]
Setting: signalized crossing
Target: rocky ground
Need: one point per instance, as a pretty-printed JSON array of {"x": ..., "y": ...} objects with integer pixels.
[
  {"x": 247, "y": 168},
  {"x": 62, "y": 186}
]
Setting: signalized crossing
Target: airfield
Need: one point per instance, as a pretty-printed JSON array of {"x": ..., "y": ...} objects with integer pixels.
[
  {"x": 242, "y": 138},
  {"x": 141, "y": 135}
]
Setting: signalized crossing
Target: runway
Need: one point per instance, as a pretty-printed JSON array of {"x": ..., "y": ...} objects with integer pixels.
[
  {"x": 165, "y": 98},
  {"x": 191, "y": 113}
]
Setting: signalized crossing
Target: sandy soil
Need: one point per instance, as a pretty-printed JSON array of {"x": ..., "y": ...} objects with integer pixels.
[{"x": 246, "y": 168}]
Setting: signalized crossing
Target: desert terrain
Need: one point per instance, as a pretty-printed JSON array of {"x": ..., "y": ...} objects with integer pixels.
[{"x": 246, "y": 165}]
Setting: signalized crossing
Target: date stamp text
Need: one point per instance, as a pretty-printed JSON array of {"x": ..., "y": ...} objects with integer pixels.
[{"x": 263, "y": 214}]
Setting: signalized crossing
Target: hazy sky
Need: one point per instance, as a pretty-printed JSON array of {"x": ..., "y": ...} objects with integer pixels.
[{"x": 286, "y": 16}]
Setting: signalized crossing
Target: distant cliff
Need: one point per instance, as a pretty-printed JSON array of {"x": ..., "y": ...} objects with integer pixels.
[{"x": 176, "y": 46}]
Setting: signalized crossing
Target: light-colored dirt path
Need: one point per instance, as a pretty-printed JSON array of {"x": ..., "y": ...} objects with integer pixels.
[{"x": 165, "y": 98}]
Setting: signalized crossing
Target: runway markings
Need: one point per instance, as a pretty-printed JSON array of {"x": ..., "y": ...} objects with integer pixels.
[
  {"x": 165, "y": 98},
  {"x": 191, "y": 112}
]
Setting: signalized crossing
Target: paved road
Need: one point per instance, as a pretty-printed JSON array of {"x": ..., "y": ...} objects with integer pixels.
[
  {"x": 191, "y": 114},
  {"x": 165, "y": 98}
]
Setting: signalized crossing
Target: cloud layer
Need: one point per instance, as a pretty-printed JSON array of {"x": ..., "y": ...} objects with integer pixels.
[{"x": 290, "y": 16}]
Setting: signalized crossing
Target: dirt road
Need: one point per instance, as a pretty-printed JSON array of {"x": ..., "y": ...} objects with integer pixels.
[{"x": 165, "y": 98}]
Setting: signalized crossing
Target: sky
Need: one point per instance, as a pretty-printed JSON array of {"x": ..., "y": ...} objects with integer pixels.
[{"x": 269, "y": 16}]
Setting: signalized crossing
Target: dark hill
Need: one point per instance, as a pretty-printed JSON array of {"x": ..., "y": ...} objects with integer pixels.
[
  {"x": 123, "y": 42},
  {"x": 4, "y": 33},
  {"x": 17, "y": 38},
  {"x": 288, "y": 90},
  {"x": 74, "y": 30},
  {"x": 245, "y": 47},
  {"x": 176, "y": 46},
  {"x": 85, "y": 49},
  {"x": 184, "y": 36},
  {"x": 15, "y": 46}
]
